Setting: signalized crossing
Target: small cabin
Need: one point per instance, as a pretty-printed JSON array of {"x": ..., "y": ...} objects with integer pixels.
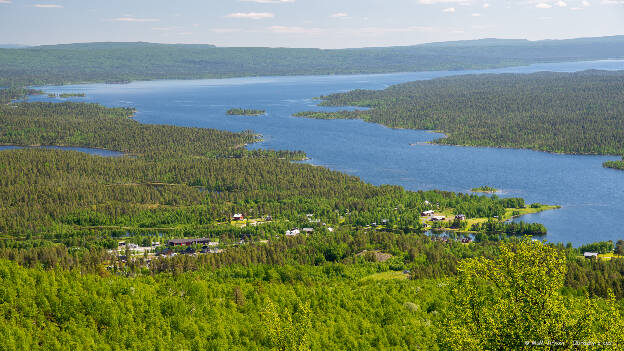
[
  {"x": 427, "y": 213},
  {"x": 438, "y": 218},
  {"x": 308, "y": 230},
  {"x": 292, "y": 232},
  {"x": 460, "y": 217},
  {"x": 238, "y": 217},
  {"x": 590, "y": 255}
]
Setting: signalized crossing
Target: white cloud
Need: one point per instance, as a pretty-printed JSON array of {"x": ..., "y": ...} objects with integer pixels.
[
  {"x": 561, "y": 3},
  {"x": 612, "y": 2},
  {"x": 476, "y": 15},
  {"x": 586, "y": 3},
  {"x": 450, "y": 9},
  {"x": 251, "y": 15},
  {"x": 339, "y": 15},
  {"x": 134, "y": 19},
  {"x": 269, "y": 1},
  {"x": 48, "y": 6},
  {"x": 486, "y": 5},
  {"x": 577, "y": 8},
  {"x": 543, "y": 5},
  {"x": 5, "y": 1}
]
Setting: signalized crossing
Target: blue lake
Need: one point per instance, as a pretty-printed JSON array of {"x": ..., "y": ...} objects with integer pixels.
[
  {"x": 591, "y": 197},
  {"x": 97, "y": 152}
]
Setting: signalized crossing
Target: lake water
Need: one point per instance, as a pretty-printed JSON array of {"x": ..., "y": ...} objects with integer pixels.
[
  {"x": 98, "y": 152},
  {"x": 592, "y": 197}
]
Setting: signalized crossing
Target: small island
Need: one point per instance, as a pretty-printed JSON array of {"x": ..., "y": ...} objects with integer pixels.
[
  {"x": 66, "y": 95},
  {"x": 245, "y": 112},
  {"x": 484, "y": 189},
  {"x": 615, "y": 164}
]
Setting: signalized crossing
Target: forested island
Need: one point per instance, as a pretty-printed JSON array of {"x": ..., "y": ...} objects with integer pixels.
[
  {"x": 245, "y": 112},
  {"x": 484, "y": 189},
  {"x": 125, "y": 62},
  {"x": 615, "y": 164},
  {"x": 305, "y": 257},
  {"x": 576, "y": 113},
  {"x": 66, "y": 95}
]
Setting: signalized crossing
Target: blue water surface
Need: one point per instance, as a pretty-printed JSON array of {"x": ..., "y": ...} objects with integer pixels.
[{"x": 592, "y": 197}]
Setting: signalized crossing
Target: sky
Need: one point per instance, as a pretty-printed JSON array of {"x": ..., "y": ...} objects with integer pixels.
[{"x": 304, "y": 23}]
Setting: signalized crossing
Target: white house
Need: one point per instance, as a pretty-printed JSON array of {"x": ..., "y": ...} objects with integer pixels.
[
  {"x": 427, "y": 213},
  {"x": 292, "y": 232}
]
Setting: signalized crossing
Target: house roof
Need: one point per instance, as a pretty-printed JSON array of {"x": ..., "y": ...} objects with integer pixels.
[{"x": 184, "y": 241}]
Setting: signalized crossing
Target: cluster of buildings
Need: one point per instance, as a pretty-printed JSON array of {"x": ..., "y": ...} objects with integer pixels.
[
  {"x": 296, "y": 231},
  {"x": 432, "y": 216}
]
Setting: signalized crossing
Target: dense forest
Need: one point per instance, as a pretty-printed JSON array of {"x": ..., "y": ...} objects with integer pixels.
[
  {"x": 92, "y": 125},
  {"x": 124, "y": 62},
  {"x": 342, "y": 306},
  {"x": 557, "y": 112},
  {"x": 367, "y": 270}
]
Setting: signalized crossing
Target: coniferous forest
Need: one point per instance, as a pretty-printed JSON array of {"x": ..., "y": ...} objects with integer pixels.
[
  {"x": 288, "y": 256},
  {"x": 579, "y": 113},
  {"x": 124, "y": 62},
  {"x": 363, "y": 273}
]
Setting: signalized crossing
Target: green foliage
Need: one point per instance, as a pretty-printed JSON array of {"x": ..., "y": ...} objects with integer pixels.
[
  {"x": 96, "y": 126},
  {"x": 67, "y": 95},
  {"x": 284, "y": 333},
  {"x": 43, "y": 310},
  {"x": 485, "y": 189},
  {"x": 599, "y": 247},
  {"x": 615, "y": 164},
  {"x": 619, "y": 247},
  {"x": 245, "y": 112},
  {"x": 557, "y": 112},
  {"x": 514, "y": 300},
  {"x": 7, "y": 95}
]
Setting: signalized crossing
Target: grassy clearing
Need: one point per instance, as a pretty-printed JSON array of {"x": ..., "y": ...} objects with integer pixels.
[{"x": 390, "y": 275}]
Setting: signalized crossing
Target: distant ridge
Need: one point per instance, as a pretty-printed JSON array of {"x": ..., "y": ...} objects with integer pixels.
[
  {"x": 616, "y": 39},
  {"x": 119, "y": 62}
]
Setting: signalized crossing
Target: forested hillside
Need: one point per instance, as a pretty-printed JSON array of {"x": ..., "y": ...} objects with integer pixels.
[
  {"x": 92, "y": 125},
  {"x": 361, "y": 305},
  {"x": 557, "y": 112},
  {"x": 318, "y": 259},
  {"x": 123, "y": 62}
]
